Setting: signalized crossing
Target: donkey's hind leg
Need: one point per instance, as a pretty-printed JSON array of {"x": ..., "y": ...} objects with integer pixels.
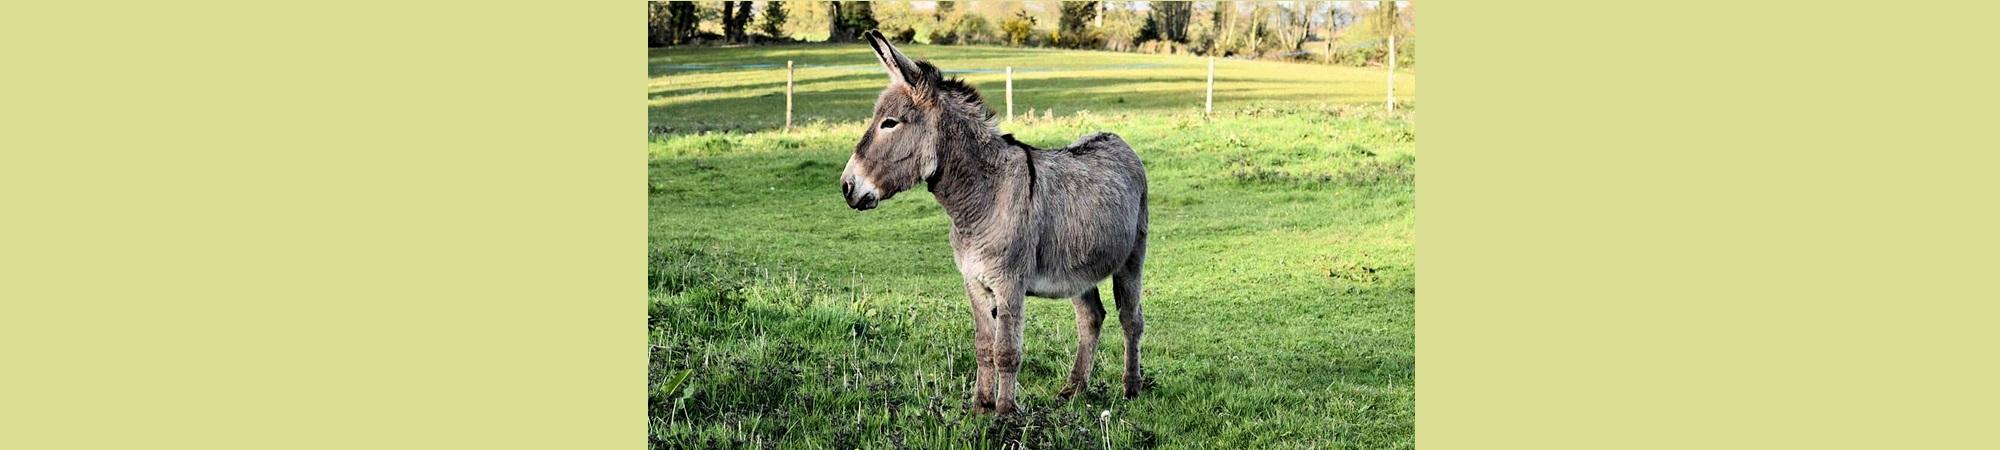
[
  {"x": 1089, "y": 319},
  {"x": 1125, "y": 289}
]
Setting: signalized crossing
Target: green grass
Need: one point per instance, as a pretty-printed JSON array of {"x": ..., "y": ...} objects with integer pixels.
[
  {"x": 1280, "y": 286},
  {"x": 694, "y": 89}
]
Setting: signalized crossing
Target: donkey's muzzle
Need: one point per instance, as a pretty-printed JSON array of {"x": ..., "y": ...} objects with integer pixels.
[{"x": 866, "y": 201}]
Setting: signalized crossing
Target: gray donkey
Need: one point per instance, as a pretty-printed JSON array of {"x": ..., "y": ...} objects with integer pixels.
[{"x": 1024, "y": 221}]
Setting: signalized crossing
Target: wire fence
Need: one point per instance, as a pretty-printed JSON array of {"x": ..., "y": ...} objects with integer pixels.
[{"x": 791, "y": 69}]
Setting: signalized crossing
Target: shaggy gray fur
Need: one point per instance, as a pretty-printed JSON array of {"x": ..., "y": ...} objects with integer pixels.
[{"x": 1024, "y": 221}]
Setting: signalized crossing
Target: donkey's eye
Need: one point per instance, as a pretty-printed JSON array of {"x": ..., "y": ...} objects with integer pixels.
[{"x": 889, "y": 123}]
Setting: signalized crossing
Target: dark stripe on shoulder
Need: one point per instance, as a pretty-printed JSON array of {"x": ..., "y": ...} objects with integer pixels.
[{"x": 1029, "y": 151}]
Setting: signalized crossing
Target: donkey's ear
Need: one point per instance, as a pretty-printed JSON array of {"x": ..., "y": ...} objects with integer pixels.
[{"x": 901, "y": 69}]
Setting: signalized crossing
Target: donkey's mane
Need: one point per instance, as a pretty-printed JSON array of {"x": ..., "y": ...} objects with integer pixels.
[
  {"x": 955, "y": 87},
  {"x": 966, "y": 93}
]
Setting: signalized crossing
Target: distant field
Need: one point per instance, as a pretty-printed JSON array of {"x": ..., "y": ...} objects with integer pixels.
[
  {"x": 1281, "y": 280},
  {"x": 743, "y": 88}
]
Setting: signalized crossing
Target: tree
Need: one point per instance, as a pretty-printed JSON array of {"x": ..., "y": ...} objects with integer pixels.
[
  {"x": 1260, "y": 27},
  {"x": 1073, "y": 23},
  {"x": 835, "y": 32},
  {"x": 678, "y": 22},
  {"x": 774, "y": 19},
  {"x": 735, "y": 17},
  {"x": 859, "y": 17},
  {"x": 942, "y": 10},
  {"x": 1224, "y": 19},
  {"x": 1169, "y": 20},
  {"x": 807, "y": 18},
  {"x": 1336, "y": 19},
  {"x": 1297, "y": 25},
  {"x": 1121, "y": 26},
  {"x": 849, "y": 21},
  {"x": 656, "y": 24},
  {"x": 1385, "y": 19}
]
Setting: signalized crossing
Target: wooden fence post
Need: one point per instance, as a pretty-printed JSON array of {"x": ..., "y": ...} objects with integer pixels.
[
  {"x": 788, "y": 95},
  {"x": 1010, "y": 94},
  {"x": 1208, "y": 107},
  {"x": 1392, "y": 73}
]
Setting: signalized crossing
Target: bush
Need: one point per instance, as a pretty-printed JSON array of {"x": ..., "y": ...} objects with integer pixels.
[
  {"x": 1205, "y": 44},
  {"x": 968, "y": 28},
  {"x": 1374, "y": 52},
  {"x": 1018, "y": 29},
  {"x": 1081, "y": 39},
  {"x": 899, "y": 33},
  {"x": 1359, "y": 52},
  {"x": 1406, "y": 51},
  {"x": 1163, "y": 47}
]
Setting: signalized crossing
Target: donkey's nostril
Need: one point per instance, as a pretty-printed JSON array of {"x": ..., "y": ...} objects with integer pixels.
[
  {"x": 847, "y": 188},
  {"x": 866, "y": 202}
]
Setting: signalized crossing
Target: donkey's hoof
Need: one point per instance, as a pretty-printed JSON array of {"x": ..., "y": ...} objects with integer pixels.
[{"x": 1068, "y": 391}]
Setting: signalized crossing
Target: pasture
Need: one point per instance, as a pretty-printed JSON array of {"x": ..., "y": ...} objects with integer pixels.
[{"x": 1280, "y": 287}]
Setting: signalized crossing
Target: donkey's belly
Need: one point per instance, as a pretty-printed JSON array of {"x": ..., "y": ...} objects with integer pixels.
[{"x": 1061, "y": 285}]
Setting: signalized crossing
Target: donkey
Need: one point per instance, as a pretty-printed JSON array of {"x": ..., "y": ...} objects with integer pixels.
[{"x": 1024, "y": 221}]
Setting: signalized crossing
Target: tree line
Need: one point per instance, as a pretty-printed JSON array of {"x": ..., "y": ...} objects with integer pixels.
[{"x": 1353, "y": 33}]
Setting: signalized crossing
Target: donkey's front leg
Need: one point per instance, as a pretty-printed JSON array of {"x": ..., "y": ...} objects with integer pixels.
[
  {"x": 1007, "y": 296},
  {"x": 982, "y": 345}
]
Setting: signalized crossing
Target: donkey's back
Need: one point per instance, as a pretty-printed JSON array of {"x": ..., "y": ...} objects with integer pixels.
[{"x": 1090, "y": 214}]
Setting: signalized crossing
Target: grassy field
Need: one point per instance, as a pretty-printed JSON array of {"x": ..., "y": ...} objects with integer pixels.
[{"x": 1280, "y": 282}]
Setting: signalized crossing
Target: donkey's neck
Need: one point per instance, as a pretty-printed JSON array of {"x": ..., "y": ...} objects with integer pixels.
[{"x": 977, "y": 168}]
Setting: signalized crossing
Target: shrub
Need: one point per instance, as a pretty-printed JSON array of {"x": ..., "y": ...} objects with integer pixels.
[
  {"x": 899, "y": 33},
  {"x": 1374, "y": 51},
  {"x": 1163, "y": 47},
  {"x": 1079, "y": 39},
  {"x": 1406, "y": 51},
  {"x": 1018, "y": 29},
  {"x": 968, "y": 28},
  {"x": 1359, "y": 52}
]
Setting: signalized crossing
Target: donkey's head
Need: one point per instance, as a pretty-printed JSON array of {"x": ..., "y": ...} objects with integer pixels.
[{"x": 900, "y": 146}]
